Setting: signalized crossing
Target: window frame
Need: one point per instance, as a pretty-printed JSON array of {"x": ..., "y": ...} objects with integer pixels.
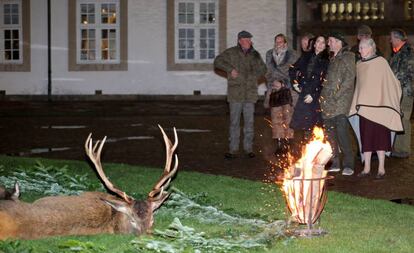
[
  {"x": 196, "y": 26},
  {"x": 98, "y": 27},
  {"x": 173, "y": 63},
  {"x": 121, "y": 64},
  {"x": 23, "y": 27},
  {"x": 11, "y": 28}
]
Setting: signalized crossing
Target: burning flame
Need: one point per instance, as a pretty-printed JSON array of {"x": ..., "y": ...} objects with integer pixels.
[{"x": 304, "y": 182}]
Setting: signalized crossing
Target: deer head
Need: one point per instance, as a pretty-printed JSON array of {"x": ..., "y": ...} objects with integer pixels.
[{"x": 139, "y": 213}]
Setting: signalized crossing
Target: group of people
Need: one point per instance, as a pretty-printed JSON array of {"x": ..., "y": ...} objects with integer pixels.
[{"x": 329, "y": 85}]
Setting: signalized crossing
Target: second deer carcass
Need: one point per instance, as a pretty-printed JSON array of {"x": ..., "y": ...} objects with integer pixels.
[
  {"x": 90, "y": 212},
  {"x": 10, "y": 194}
]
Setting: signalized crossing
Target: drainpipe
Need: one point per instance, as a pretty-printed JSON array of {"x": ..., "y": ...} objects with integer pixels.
[
  {"x": 294, "y": 24},
  {"x": 49, "y": 54}
]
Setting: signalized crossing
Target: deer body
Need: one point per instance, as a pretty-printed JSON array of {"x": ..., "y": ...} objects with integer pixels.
[
  {"x": 88, "y": 213},
  {"x": 61, "y": 215}
]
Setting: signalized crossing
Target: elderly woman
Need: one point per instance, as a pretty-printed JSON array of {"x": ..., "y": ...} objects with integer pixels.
[{"x": 375, "y": 111}]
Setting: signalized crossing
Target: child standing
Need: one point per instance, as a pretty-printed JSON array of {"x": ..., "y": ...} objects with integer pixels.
[{"x": 279, "y": 99}]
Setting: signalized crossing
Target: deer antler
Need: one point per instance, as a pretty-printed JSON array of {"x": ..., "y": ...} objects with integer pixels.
[
  {"x": 94, "y": 154},
  {"x": 165, "y": 179}
]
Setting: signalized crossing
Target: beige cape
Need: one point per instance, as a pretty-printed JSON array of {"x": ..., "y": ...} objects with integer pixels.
[{"x": 377, "y": 94}]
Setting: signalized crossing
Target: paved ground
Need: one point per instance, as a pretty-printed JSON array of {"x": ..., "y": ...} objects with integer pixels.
[{"x": 58, "y": 130}]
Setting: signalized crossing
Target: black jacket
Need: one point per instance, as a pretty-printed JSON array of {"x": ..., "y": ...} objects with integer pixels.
[{"x": 309, "y": 72}]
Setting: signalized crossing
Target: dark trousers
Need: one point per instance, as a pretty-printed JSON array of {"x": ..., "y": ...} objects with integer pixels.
[
  {"x": 300, "y": 139},
  {"x": 403, "y": 140},
  {"x": 338, "y": 134}
]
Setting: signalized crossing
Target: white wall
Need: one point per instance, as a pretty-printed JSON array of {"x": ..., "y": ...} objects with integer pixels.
[
  {"x": 147, "y": 53},
  {"x": 262, "y": 18}
]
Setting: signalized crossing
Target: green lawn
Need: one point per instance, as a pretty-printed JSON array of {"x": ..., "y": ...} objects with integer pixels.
[{"x": 216, "y": 214}]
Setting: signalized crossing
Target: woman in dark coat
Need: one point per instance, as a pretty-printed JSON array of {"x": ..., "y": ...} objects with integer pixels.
[{"x": 307, "y": 76}]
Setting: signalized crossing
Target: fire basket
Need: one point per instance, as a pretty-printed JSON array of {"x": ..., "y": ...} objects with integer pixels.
[
  {"x": 304, "y": 185},
  {"x": 306, "y": 198}
]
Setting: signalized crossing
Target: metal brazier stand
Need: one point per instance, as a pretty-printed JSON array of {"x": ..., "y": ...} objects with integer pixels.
[{"x": 305, "y": 199}]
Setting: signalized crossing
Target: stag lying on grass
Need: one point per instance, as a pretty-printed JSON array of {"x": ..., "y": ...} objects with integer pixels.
[
  {"x": 91, "y": 212},
  {"x": 10, "y": 194}
]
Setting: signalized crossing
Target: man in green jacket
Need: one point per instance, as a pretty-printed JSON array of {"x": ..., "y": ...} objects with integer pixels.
[
  {"x": 244, "y": 66},
  {"x": 336, "y": 99},
  {"x": 402, "y": 64}
]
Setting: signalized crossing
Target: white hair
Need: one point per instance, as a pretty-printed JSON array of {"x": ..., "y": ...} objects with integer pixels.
[{"x": 369, "y": 42}]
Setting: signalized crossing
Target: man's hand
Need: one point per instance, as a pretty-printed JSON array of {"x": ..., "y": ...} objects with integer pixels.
[
  {"x": 234, "y": 73},
  {"x": 308, "y": 99}
]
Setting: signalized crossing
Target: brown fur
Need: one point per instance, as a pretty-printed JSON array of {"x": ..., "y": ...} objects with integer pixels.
[
  {"x": 89, "y": 213},
  {"x": 66, "y": 215}
]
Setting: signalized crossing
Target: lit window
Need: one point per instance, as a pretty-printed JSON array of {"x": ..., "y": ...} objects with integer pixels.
[
  {"x": 196, "y": 31},
  {"x": 11, "y": 31},
  {"x": 98, "y": 31}
]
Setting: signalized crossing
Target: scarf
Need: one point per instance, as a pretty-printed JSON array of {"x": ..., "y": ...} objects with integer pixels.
[
  {"x": 396, "y": 49},
  {"x": 278, "y": 56}
]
